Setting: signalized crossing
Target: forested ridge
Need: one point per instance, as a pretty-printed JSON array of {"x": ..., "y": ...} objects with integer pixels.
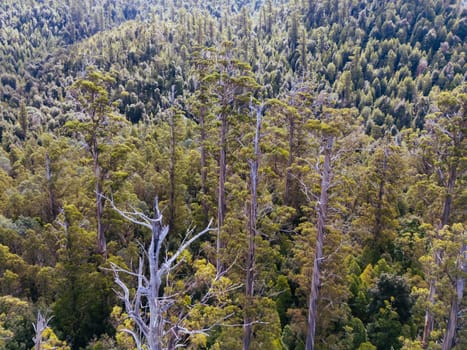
[{"x": 229, "y": 174}]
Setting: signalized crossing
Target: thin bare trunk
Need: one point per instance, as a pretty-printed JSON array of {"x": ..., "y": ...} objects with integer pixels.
[
  {"x": 38, "y": 340},
  {"x": 452, "y": 324},
  {"x": 101, "y": 241},
  {"x": 221, "y": 205},
  {"x": 288, "y": 176},
  {"x": 156, "y": 330},
  {"x": 51, "y": 193},
  {"x": 39, "y": 327},
  {"x": 321, "y": 226},
  {"x": 459, "y": 282},
  {"x": 449, "y": 193},
  {"x": 252, "y": 219},
  {"x": 428, "y": 326},
  {"x": 379, "y": 203},
  {"x": 456, "y": 300},
  {"x": 172, "y": 160},
  {"x": 204, "y": 170}
]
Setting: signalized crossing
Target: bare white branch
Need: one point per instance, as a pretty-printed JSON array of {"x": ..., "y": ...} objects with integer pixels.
[{"x": 148, "y": 304}]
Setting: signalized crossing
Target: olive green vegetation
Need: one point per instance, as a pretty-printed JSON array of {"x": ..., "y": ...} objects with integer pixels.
[{"x": 361, "y": 103}]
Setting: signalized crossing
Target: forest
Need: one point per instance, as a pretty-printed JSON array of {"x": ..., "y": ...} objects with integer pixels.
[{"x": 233, "y": 174}]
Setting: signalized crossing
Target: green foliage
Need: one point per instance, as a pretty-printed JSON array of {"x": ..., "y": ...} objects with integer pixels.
[
  {"x": 16, "y": 317},
  {"x": 391, "y": 289},
  {"x": 85, "y": 297},
  {"x": 385, "y": 329},
  {"x": 129, "y": 99},
  {"x": 367, "y": 346},
  {"x": 51, "y": 342}
]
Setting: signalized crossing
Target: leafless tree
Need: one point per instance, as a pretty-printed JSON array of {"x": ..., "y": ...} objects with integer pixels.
[
  {"x": 254, "y": 164},
  {"x": 149, "y": 303},
  {"x": 42, "y": 323}
]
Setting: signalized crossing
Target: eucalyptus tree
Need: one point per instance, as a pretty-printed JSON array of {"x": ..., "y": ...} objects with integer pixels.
[
  {"x": 335, "y": 136},
  {"x": 96, "y": 124},
  {"x": 442, "y": 148},
  {"x": 231, "y": 85}
]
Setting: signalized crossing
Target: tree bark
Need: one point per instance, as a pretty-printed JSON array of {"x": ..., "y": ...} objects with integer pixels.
[{"x": 321, "y": 226}]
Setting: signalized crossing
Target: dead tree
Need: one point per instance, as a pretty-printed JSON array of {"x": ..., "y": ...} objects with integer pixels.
[
  {"x": 42, "y": 323},
  {"x": 148, "y": 305}
]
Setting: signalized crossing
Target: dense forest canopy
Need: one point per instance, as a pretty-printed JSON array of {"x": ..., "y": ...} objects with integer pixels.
[{"x": 323, "y": 140}]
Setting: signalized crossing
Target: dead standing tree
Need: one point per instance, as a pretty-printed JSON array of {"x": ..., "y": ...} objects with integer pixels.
[
  {"x": 42, "y": 323},
  {"x": 148, "y": 305},
  {"x": 254, "y": 164}
]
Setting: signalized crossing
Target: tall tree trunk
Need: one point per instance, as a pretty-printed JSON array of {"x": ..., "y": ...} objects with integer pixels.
[
  {"x": 156, "y": 328},
  {"x": 38, "y": 339},
  {"x": 453, "y": 314},
  {"x": 321, "y": 225},
  {"x": 379, "y": 203},
  {"x": 459, "y": 282},
  {"x": 252, "y": 219},
  {"x": 172, "y": 162},
  {"x": 221, "y": 205},
  {"x": 52, "y": 212},
  {"x": 449, "y": 193},
  {"x": 101, "y": 241},
  {"x": 428, "y": 326},
  {"x": 456, "y": 300},
  {"x": 39, "y": 327},
  {"x": 23, "y": 119},
  {"x": 288, "y": 176},
  {"x": 204, "y": 170}
]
